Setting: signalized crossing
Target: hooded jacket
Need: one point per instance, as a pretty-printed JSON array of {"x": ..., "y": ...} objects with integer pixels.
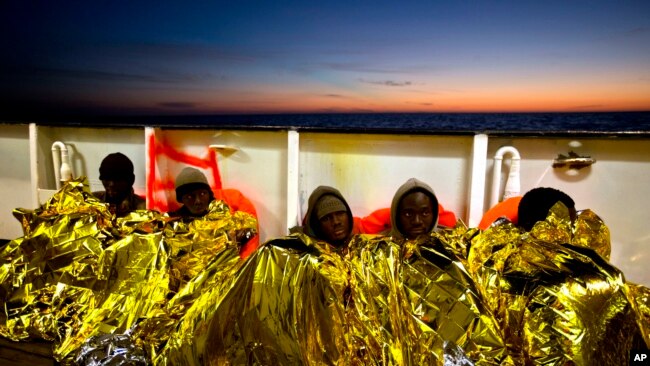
[
  {"x": 406, "y": 188},
  {"x": 311, "y": 224}
]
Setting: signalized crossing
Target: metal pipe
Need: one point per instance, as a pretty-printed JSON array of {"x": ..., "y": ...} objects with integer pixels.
[
  {"x": 513, "y": 182},
  {"x": 62, "y": 168}
]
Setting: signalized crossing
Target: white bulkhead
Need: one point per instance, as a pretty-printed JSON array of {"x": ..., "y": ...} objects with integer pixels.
[{"x": 277, "y": 170}]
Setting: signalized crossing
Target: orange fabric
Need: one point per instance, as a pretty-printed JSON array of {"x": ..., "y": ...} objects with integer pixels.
[
  {"x": 250, "y": 246},
  {"x": 446, "y": 218},
  {"x": 238, "y": 202},
  {"x": 376, "y": 222},
  {"x": 379, "y": 221},
  {"x": 507, "y": 209}
]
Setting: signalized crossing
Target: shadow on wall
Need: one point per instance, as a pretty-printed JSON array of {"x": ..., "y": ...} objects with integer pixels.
[{"x": 571, "y": 174}]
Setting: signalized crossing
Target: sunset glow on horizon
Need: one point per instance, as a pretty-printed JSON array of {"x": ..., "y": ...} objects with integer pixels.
[{"x": 339, "y": 57}]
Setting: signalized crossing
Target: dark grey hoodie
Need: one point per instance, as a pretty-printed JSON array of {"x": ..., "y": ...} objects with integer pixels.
[
  {"x": 406, "y": 188},
  {"x": 311, "y": 225}
]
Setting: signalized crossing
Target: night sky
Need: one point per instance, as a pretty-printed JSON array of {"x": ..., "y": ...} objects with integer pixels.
[{"x": 248, "y": 57}]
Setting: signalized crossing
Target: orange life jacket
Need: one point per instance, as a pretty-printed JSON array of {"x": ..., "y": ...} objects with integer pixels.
[{"x": 507, "y": 209}]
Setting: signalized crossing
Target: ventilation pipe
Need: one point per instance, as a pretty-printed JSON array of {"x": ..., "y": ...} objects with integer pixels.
[
  {"x": 61, "y": 160},
  {"x": 513, "y": 185}
]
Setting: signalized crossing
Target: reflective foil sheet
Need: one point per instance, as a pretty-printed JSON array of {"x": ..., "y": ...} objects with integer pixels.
[
  {"x": 589, "y": 231},
  {"x": 111, "y": 350},
  {"x": 639, "y": 297},
  {"x": 558, "y": 301},
  {"x": 300, "y": 301},
  {"x": 285, "y": 307},
  {"x": 420, "y": 299},
  {"x": 78, "y": 272},
  {"x": 149, "y": 289}
]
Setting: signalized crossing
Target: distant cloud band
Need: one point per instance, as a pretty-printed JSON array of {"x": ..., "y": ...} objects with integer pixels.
[{"x": 386, "y": 82}]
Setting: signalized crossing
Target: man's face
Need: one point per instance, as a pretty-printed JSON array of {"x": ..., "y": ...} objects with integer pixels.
[
  {"x": 116, "y": 190},
  {"x": 335, "y": 226},
  {"x": 197, "y": 201},
  {"x": 415, "y": 214}
]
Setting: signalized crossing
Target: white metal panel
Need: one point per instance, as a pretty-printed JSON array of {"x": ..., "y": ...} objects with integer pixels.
[
  {"x": 615, "y": 187},
  {"x": 87, "y": 148},
  {"x": 15, "y": 177},
  {"x": 369, "y": 168}
]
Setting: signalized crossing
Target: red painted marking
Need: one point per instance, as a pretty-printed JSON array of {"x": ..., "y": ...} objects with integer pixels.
[
  {"x": 183, "y": 157},
  {"x": 161, "y": 192},
  {"x": 160, "y": 186},
  {"x": 216, "y": 176}
]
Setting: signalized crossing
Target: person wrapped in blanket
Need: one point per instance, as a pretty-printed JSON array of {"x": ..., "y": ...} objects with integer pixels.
[
  {"x": 414, "y": 210},
  {"x": 441, "y": 295},
  {"x": 194, "y": 192},
  {"x": 328, "y": 217},
  {"x": 285, "y": 306},
  {"x": 549, "y": 283},
  {"x": 79, "y": 271},
  {"x": 116, "y": 174},
  {"x": 299, "y": 299},
  {"x": 322, "y": 296}
]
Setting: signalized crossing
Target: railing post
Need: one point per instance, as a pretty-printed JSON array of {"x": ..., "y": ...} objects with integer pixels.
[
  {"x": 293, "y": 177},
  {"x": 477, "y": 185}
]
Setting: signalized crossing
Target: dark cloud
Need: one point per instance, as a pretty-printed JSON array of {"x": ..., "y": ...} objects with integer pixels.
[
  {"x": 27, "y": 72},
  {"x": 360, "y": 67},
  {"x": 192, "y": 52},
  {"x": 102, "y": 75},
  {"x": 345, "y": 110},
  {"x": 178, "y": 105},
  {"x": 152, "y": 63},
  {"x": 638, "y": 31},
  {"x": 386, "y": 82}
]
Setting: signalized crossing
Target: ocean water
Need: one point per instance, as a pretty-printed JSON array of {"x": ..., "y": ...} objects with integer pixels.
[{"x": 617, "y": 123}]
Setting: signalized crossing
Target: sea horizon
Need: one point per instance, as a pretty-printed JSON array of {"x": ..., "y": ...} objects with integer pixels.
[{"x": 608, "y": 123}]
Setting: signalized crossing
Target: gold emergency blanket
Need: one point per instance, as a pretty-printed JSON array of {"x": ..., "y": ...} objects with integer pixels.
[
  {"x": 300, "y": 301},
  {"x": 80, "y": 272},
  {"x": 286, "y": 307},
  {"x": 557, "y": 299},
  {"x": 411, "y": 301},
  {"x": 177, "y": 292}
]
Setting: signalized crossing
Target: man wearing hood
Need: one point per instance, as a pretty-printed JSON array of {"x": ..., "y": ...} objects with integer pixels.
[
  {"x": 414, "y": 210},
  {"x": 328, "y": 217}
]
